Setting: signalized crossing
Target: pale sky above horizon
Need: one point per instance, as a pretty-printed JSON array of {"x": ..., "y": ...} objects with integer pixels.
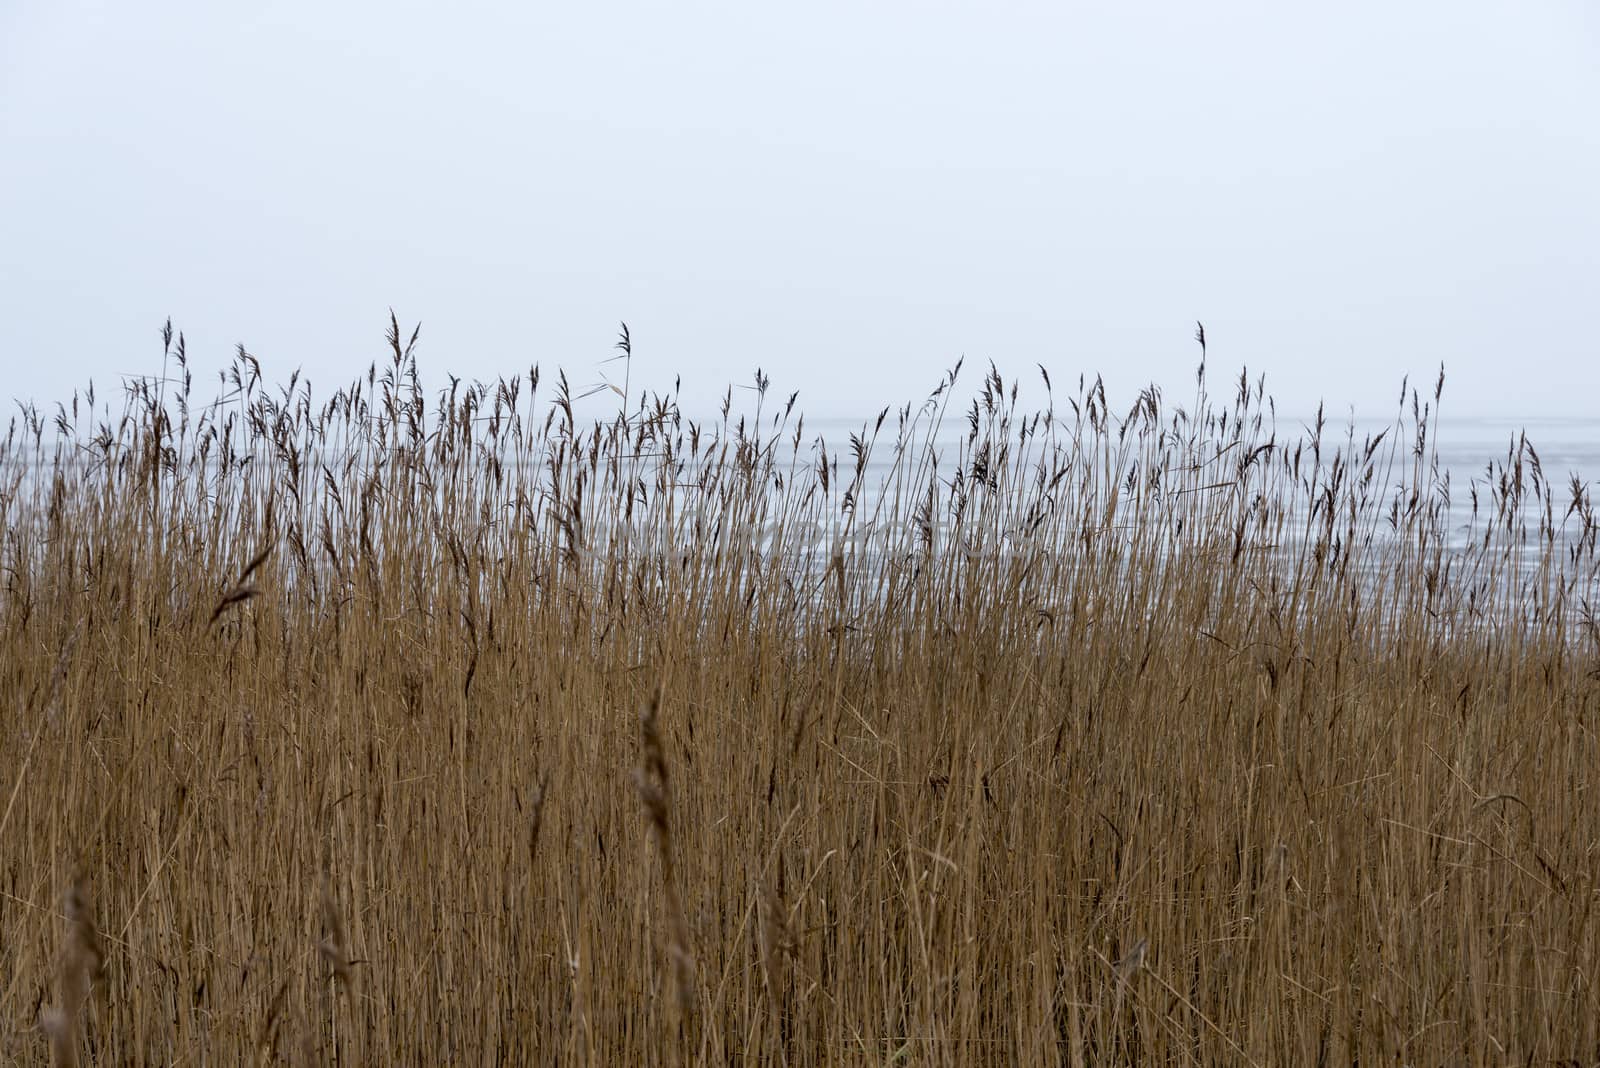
[{"x": 848, "y": 196}]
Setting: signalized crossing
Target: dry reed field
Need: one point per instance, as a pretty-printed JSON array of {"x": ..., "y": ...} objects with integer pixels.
[{"x": 396, "y": 727}]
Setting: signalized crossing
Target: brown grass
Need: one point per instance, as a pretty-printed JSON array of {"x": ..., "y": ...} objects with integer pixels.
[{"x": 994, "y": 736}]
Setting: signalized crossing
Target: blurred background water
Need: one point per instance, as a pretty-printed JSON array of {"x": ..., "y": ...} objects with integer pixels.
[
  {"x": 1568, "y": 449},
  {"x": 1566, "y": 446}
]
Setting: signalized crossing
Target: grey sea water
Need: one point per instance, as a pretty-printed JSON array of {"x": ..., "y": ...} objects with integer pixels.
[
  {"x": 1470, "y": 451},
  {"x": 1466, "y": 448},
  {"x": 1567, "y": 446}
]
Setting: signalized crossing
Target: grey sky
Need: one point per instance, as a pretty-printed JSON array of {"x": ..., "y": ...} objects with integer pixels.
[{"x": 846, "y": 195}]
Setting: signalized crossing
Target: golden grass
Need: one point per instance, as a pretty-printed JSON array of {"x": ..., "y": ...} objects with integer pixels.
[{"x": 1175, "y": 737}]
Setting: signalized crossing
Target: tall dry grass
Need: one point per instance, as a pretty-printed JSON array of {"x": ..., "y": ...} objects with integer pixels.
[{"x": 1067, "y": 736}]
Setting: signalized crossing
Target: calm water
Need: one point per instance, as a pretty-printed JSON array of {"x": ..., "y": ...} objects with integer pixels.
[
  {"x": 1466, "y": 446},
  {"x": 1567, "y": 448}
]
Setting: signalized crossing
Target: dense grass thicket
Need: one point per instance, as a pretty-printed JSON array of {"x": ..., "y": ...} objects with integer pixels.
[{"x": 386, "y": 727}]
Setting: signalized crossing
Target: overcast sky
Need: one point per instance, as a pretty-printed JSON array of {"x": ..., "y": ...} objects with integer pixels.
[{"x": 847, "y": 195}]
